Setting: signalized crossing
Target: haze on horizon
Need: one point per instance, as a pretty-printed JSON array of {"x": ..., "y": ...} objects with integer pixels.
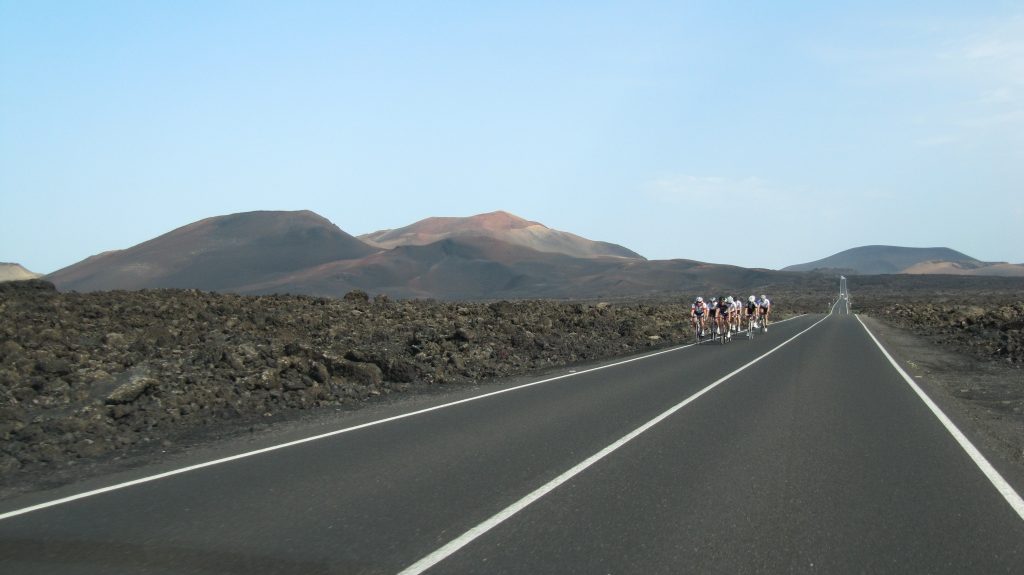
[{"x": 837, "y": 125}]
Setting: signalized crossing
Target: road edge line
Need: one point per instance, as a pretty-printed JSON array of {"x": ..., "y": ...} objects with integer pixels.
[
  {"x": 480, "y": 529},
  {"x": 1002, "y": 486}
]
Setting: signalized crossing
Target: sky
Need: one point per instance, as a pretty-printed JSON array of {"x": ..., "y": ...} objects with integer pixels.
[{"x": 759, "y": 134}]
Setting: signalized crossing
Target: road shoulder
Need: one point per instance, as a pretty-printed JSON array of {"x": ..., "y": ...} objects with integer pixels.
[{"x": 985, "y": 400}]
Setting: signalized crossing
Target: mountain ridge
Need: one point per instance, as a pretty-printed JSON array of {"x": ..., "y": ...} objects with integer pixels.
[
  {"x": 885, "y": 259},
  {"x": 217, "y": 253},
  {"x": 15, "y": 272},
  {"x": 298, "y": 252},
  {"x": 501, "y": 225},
  {"x": 489, "y": 256}
]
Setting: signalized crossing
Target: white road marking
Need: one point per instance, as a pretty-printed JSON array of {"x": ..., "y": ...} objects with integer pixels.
[
  {"x": 179, "y": 471},
  {"x": 1001, "y": 485},
  {"x": 495, "y": 520}
]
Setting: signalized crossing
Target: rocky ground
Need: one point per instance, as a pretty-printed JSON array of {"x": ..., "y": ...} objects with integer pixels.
[
  {"x": 987, "y": 326},
  {"x": 92, "y": 379}
]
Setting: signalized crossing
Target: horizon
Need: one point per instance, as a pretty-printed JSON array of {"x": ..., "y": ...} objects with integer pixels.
[
  {"x": 360, "y": 238},
  {"x": 839, "y": 126}
]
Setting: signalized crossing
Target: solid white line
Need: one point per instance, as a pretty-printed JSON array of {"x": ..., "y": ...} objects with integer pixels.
[
  {"x": 179, "y": 471},
  {"x": 1001, "y": 485},
  {"x": 467, "y": 537}
]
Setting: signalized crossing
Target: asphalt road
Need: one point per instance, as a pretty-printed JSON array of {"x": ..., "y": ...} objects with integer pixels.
[{"x": 816, "y": 458}]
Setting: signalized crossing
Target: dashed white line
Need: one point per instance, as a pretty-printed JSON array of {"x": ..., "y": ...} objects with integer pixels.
[{"x": 495, "y": 520}]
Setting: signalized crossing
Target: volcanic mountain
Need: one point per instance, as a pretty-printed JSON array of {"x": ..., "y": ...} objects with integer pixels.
[
  {"x": 868, "y": 260},
  {"x": 219, "y": 254},
  {"x": 501, "y": 226},
  {"x": 491, "y": 256},
  {"x": 477, "y": 267},
  {"x": 14, "y": 272}
]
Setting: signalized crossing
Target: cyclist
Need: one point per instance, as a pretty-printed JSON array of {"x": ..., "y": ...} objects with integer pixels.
[
  {"x": 752, "y": 310},
  {"x": 713, "y": 315},
  {"x": 725, "y": 316},
  {"x": 697, "y": 312},
  {"x": 737, "y": 309},
  {"x": 766, "y": 308}
]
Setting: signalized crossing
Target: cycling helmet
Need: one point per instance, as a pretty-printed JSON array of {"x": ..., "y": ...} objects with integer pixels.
[
  {"x": 700, "y": 299},
  {"x": 764, "y": 296},
  {"x": 751, "y": 298},
  {"x": 728, "y": 299},
  {"x": 714, "y": 299}
]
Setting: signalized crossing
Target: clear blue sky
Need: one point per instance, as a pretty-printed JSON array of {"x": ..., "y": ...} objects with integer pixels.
[{"x": 836, "y": 124}]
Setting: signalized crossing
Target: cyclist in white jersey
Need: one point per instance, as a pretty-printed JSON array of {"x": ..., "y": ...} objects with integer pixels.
[
  {"x": 766, "y": 308},
  {"x": 737, "y": 315},
  {"x": 713, "y": 314},
  {"x": 698, "y": 311}
]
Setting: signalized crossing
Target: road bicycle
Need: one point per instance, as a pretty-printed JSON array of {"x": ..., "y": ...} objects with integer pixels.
[
  {"x": 718, "y": 325},
  {"x": 751, "y": 322},
  {"x": 723, "y": 330}
]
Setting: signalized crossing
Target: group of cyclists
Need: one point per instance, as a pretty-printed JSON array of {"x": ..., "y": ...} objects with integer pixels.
[{"x": 724, "y": 315}]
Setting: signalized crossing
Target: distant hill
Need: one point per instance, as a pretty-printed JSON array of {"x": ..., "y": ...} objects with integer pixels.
[
  {"x": 15, "y": 272},
  {"x": 491, "y": 256},
  {"x": 219, "y": 254},
  {"x": 471, "y": 267},
  {"x": 960, "y": 269},
  {"x": 475, "y": 267},
  {"x": 869, "y": 260},
  {"x": 501, "y": 226}
]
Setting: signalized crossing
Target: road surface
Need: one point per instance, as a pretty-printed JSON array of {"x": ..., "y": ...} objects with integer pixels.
[{"x": 803, "y": 450}]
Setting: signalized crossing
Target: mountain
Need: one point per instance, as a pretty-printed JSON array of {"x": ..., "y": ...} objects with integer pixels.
[
  {"x": 883, "y": 260},
  {"x": 14, "y": 272},
  {"x": 960, "y": 269},
  {"x": 219, "y": 254},
  {"x": 872, "y": 260},
  {"x": 477, "y": 267},
  {"x": 501, "y": 226},
  {"x": 492, "y": 256}
]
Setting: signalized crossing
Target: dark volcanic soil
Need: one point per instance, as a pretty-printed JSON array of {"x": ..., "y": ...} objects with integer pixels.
[{"x": 987, "y": 326}]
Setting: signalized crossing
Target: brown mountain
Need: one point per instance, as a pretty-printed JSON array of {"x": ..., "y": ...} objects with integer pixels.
[
  {"x": 493, "y": 256},
  {"x": 15, "y": 272},
  {"x": 219, "y": 253},
  {"x": 501, "y": 226},
  {"x": 900, "y": 260},
  {"x": 476, "y": 267},
  {"x": 470, "y": 267},
  {"x": 965, "y": 269}
]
